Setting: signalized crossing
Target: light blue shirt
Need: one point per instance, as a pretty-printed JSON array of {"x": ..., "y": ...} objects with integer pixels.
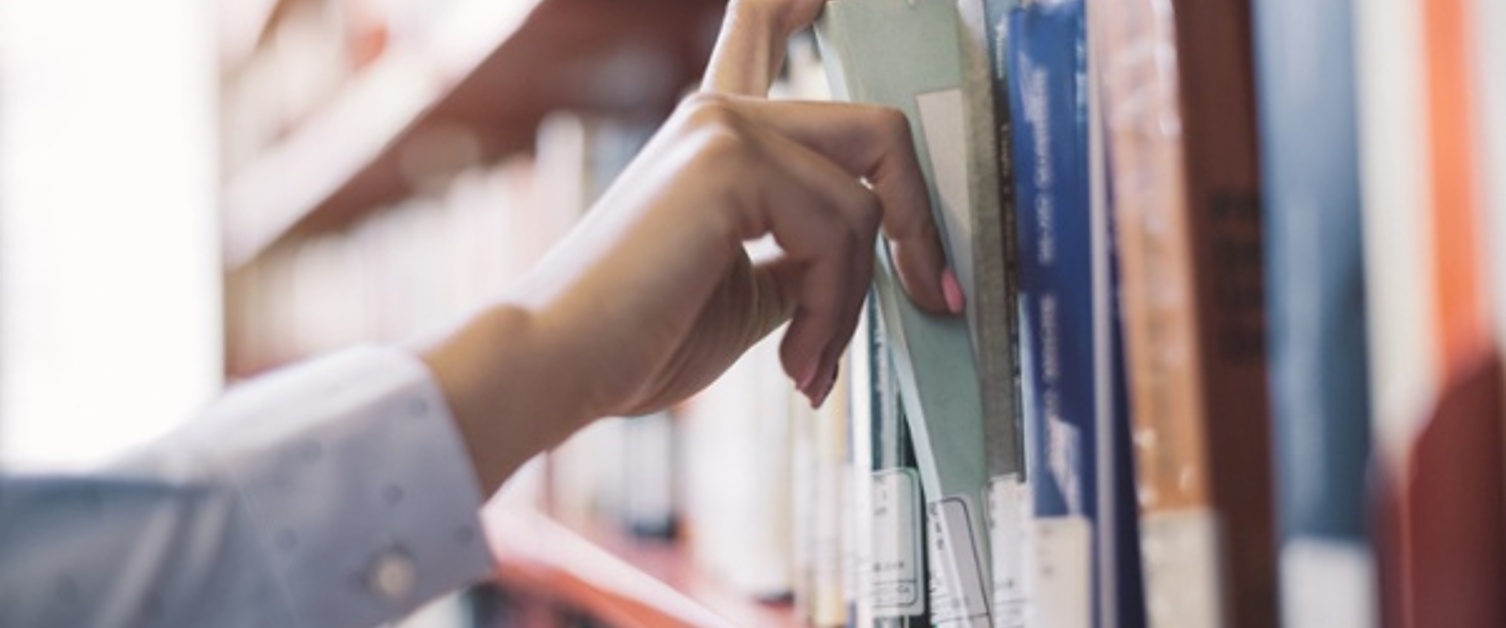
[{"x": 334, "y": 493}]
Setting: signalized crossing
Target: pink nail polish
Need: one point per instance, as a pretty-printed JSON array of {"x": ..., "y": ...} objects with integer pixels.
[{"x": 952, "y": 291}]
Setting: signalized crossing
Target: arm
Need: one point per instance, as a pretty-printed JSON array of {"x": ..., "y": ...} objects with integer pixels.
[{"x": 334, "y": 493}]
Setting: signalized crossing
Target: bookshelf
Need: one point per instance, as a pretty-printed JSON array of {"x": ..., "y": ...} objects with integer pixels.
[
  {"x": 1177, "y": 301},
  {"x": 465, "y": 94},
  {"x": 471, "y": 87},
  {"x": 617, "y": 578}
]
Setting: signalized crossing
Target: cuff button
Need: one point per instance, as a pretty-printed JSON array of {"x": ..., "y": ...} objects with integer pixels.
[{"x": 391, "y": 575}]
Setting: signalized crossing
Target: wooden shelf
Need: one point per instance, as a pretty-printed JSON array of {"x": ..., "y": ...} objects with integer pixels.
[
  {"x": 622, "y": 580},
  {"x": 477, "y": 95}
]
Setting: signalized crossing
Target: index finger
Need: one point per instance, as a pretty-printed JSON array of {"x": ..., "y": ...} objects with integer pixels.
[{"x": 751, "y": 44}]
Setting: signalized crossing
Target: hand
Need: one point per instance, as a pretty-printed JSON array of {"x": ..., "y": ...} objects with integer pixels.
[{"x": 653, "y": 295}]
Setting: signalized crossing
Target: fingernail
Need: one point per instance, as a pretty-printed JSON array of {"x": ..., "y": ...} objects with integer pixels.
[
  {"x": 952, "y": 291},
  {"x": 807, "y": 377},
  {"x": 826, "y": 387}
]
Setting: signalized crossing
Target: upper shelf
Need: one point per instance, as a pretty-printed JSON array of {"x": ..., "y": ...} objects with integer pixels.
[{"x": 477, "y": 93}]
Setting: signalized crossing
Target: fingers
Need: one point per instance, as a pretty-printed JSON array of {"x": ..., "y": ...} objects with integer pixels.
[
  {"x": 751, "y": 45},
  {"x": 826, "y": 223},
  {"x": 872, "y": 143}
]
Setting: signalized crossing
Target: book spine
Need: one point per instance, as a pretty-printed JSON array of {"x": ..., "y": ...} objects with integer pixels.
[
  {"x": 738, "y": 435},
  {"x": 949, "y": 458},
  {"x": 894, "y": 573},
  {"x": 1009, "y": 498},
  {"x": 1146, "y": 171},
  {"x": 1490, "y": 69},
  {"x": 1119, "y": 580},
  {"x": 650, "y": 449},
  {"x": 826, "y": 531},
  {"x": 1128, "y": 571},
  {"x": 1315, "y": 293},
  {"x": 1398, "y": 261},
  {"x": 1224, "y": 218},
  {"x": 906, "y": 55},
  {"x": 1048, "y": 100},
  {"x": 1463, "y": 323},
  {"x": 1437, "y": 378},
  {"x": 991, "y": 303}
]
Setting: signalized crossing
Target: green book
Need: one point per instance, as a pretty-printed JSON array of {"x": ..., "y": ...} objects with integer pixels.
[{"x": 908, "y": 55}]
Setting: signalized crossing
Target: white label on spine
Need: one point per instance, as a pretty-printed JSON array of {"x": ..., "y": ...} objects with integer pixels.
[
  {"x": 1008, "y": 529},
  {"x": 897, "y": 589},
  {"x": 1182, "y": 575},
  {"x": 959, "y": 596},
  {"x": 1326, "y": 583},
  {"x": 1062, "y": 585}
]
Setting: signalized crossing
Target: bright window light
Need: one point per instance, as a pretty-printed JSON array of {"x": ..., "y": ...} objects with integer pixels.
[{"x": 109, "y": 266}]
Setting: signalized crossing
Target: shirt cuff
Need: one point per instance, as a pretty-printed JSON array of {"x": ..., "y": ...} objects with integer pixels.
[{"x": 356, "y": 482}]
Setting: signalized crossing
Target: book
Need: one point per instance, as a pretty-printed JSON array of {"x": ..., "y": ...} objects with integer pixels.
[
  {"x": 1439, "y": 515},
  {"x": 907, "y": 55},
  {"x": 1403, "y": 358},
  {"x": 1490, "y": 71},
  {"x": 648, "y": 456},
  {"x": 992, "y": 302},
  {"x": 889, "y": 528},
  {"x": 737, "y": 481},
  {"x": 1046, "y": 56},
  {"x": 821, "y": 504},
  {"x": 1435, "y": 367},
  {"x": 1128, "y": 567},
  {"x": 1179, "y": 100},
  {"x": 1066, "y": 303},
  {"x": 1464, "y": 323},
  {"x": 1120, "y": 573},
  {"x": 944, "y": 420},
  {"x": 994, "y": 305},
  {"x": 1316, "y": 302}
]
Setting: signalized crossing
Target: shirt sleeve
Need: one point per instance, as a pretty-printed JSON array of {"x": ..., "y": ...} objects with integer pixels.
[{"x": 334, "y": 493}]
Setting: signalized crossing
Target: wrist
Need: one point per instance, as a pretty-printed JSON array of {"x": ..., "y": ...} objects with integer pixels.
[
  {"x": 775, "y": 20},
  {"x": 507, "y": 389},
  {"x": 755, "y": 32}
]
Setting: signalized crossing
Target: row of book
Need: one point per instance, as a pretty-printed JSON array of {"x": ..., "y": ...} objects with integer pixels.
[{"x": 1231, "y": 353}]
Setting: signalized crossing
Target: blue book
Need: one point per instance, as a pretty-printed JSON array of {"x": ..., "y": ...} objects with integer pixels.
[
  {"x": 1316, "y": 299},
  {"x": 1084, "y": 554},
  {"x": 1047, "y": 69}
]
